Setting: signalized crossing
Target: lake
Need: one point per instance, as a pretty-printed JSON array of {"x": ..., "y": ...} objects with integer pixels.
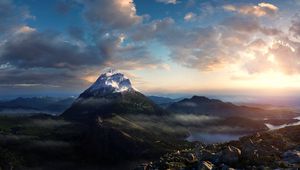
[
  {"x": 274, "y": 127},
  {"x": 210, "y": 138}
]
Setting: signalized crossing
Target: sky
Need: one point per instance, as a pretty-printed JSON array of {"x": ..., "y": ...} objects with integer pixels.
[{"x": 163, "y": 46}]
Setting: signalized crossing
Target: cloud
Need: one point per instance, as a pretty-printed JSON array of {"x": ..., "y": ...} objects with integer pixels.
[
  {"x": 45, "y": 58},
  {"x": 242, "y": 24},
  {"x": 199, "y": 48},
  {"x": 12, "y": 16},
  {"x": 280, "y": 56},
  {"x": 41, "y": 77},
  {"x": 258, "y": 64},
  {"x": 191, "y": 119},
  {"x": 113, "y": 34},
  {"x": 262, "y": 9},
  {"x": 190, "y": 3},
  {"x": 286, "y": 57},
  {"x": 212, "y": 47},
  {"x": 189, "y": 16},
  {"x": 32, "y": 58},
  {"x": 114, "y": 14},
  {"x": 76, "y": 32},
  {"x": 295, "y": 27},
  {"x": 48, "y": 50},
  {"x": 249, "y": 25},
  {"x": 126, "y": 56},
  {"x": 153, "y": 30},
  {"x": 168, "y": 1},
  {"x": 25, "y": 29},
  {"x": 65, "y": 6}
]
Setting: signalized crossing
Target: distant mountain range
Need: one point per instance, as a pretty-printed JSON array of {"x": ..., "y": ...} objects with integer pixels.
[
  {"x": 163, "y": 101},
  {"x": 54, "y": 105},
  {"x": 33, "y": 105},
  {"x": 201, "y": 105}
]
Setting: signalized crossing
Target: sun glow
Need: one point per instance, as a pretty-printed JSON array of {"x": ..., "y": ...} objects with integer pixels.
[
  {"x": 90, "y": 79},
  {"x": 271, "y": 80}
]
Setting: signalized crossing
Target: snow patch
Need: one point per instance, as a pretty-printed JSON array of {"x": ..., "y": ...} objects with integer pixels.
[{"x": 112, "y": 80}]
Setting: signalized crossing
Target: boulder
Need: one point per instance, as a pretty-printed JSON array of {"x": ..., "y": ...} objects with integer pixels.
[
  {"x": 205, "y": 165},
  {"x": 291, "y": 156},
  {"x": 224, "y": 167},
  {"x": 191, "y": 158},
  {"x": 230, "y": 154},
  {"x": 207, "y": 155}
]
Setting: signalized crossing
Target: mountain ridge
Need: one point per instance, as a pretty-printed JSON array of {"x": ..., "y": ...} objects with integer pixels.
[{"x": 202, "y": 105}]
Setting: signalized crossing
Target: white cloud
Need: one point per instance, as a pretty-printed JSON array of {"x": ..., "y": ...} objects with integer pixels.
[
  {"x": 295, "y": 27},
  {"x": 25, "y": 29},
  {"x": 262, "y": 9},
  {"x": 189, "y": 16},
  {"x": 168, "y": 1}
]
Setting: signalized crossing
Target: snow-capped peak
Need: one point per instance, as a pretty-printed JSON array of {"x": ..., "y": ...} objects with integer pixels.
[{"x": 111, "y": 81}]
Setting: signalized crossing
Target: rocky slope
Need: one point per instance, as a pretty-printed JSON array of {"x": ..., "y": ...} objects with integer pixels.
[{"x": 266, "y": 150}]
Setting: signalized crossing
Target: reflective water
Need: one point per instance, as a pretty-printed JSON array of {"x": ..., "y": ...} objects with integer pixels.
[
  {"x": 210, "y": 138},
  {"x": 274, "y": 127}
]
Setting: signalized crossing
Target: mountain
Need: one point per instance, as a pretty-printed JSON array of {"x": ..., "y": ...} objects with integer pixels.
[
  {"x": 163, "y": 101},
  {"x": 112, "y": 93},
  {"x": 21, "y": 105},
  {"x": 201, "y": 105},
  {"x": 118, "y": 122}
]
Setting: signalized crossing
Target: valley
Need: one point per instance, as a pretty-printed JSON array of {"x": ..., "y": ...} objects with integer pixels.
[{"x": 113, "y": 125}]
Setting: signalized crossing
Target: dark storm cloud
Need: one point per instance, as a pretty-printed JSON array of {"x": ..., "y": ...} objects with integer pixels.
[
  {"x": 12, "y": 16},
  {"x": 40, "y": 77},
  {"x": 47, "y": 50},
  {"x": 76, "y": 32},
  {"x": 30, "y": 58}
]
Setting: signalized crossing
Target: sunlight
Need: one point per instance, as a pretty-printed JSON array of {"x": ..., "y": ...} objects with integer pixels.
[{"x": 90, "y": 79}]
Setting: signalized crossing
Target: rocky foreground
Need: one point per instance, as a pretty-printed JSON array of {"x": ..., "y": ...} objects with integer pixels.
[{"x": 266, "y": 150}]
